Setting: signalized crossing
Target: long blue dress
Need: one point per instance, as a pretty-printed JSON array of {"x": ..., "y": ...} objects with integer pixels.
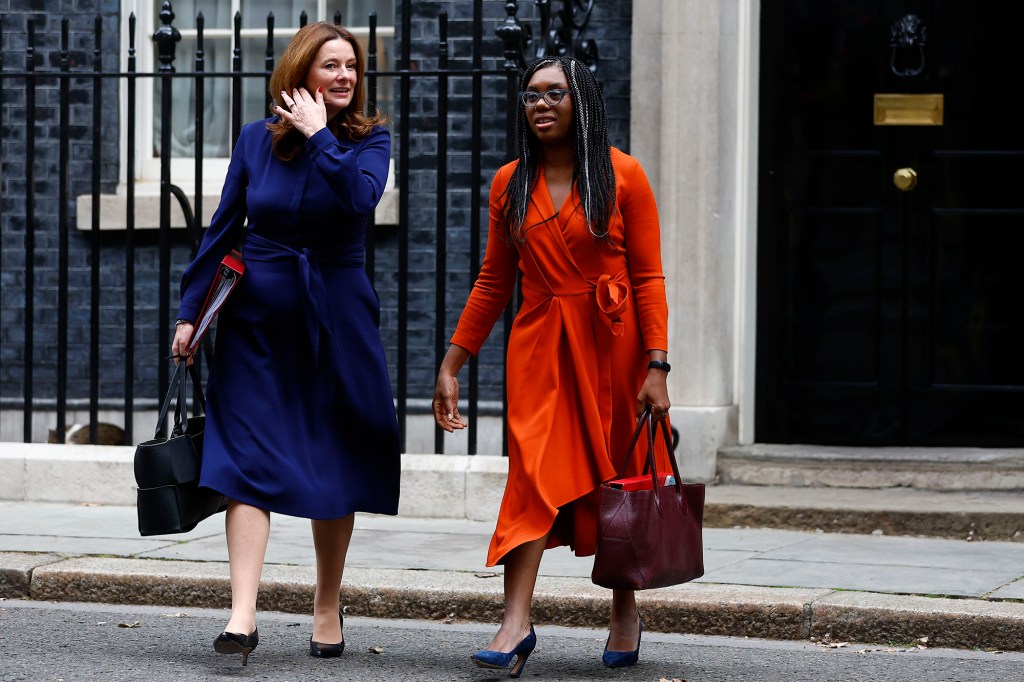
[{"x": 300, "y": 416}]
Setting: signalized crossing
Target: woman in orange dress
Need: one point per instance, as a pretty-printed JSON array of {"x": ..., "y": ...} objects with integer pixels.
[{"x": 588, "y": 349}]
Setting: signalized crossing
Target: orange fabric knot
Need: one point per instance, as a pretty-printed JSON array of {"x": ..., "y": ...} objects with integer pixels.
[{"x": 613, "y": 301}]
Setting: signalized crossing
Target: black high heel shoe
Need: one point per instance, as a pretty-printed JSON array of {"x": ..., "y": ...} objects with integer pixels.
[
  {"x": 328, "y": 650},
  {"x": 497, "y": 659},
  {"x": 622, "y": 659},
  {"x": 235, "y": 643}
]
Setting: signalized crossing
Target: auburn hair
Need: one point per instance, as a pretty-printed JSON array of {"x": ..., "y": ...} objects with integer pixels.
[{"x": 290, "y": 73}]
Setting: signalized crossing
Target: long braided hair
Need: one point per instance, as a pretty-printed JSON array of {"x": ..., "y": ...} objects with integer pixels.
[{"x": 592, "y": 172}]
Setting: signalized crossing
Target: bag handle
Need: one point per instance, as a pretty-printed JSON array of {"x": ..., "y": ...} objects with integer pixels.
[
  {"x": 646, "y": 421},
  {"x": 671, "y": 451},
  {"x": 178, "y": 385},
  {"x": 671, "y": 456}
]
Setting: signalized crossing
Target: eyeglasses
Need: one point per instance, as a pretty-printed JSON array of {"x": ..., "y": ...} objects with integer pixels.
[{"x": 551, "y": 97}]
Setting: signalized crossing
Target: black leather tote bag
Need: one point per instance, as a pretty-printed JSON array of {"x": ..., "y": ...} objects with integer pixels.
[{"x": 167, "y": 469}]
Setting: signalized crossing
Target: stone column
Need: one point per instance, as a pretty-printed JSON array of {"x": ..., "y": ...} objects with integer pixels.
[{"x": 684, "y": 131}]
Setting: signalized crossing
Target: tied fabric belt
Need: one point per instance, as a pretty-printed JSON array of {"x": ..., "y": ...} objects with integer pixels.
[
  {"x": 314, "y": 292},
  {"x": 611, "y": 298}
]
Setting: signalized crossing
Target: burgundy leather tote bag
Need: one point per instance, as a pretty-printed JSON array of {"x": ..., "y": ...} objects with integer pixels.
[{"x": 649, "y": 537}]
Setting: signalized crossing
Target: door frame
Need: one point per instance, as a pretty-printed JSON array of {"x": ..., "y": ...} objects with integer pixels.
[{"x": 748, "y": 68}]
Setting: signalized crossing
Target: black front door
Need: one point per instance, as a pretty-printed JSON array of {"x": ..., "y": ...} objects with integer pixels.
[{"x": 891, "y": 257}]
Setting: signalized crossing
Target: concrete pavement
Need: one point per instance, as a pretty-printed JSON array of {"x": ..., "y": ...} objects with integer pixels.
[
  {"x": 768, "y": 583},
  {"x": 781, "y": 562}
]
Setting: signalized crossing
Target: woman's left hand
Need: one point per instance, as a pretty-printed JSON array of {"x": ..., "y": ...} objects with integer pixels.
[
  {"x": 179, "y": 346},
  {"x": 654, "y": 392},
  {"x": 305, "y": 112}
]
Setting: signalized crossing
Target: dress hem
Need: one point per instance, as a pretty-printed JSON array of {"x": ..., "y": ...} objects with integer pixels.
[
  {"x": 283, "y": 510},
  {"x": 551, "y": 526}
]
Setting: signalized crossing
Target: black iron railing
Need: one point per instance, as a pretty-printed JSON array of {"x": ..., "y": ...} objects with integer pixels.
[{"x": 144, "y": 334}]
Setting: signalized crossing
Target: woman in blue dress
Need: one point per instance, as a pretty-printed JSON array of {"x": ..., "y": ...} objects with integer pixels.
[{"x": 300, "y": 417}]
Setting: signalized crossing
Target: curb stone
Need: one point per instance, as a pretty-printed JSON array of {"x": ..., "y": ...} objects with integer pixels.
[
  {"x": 16, "y": 572},
  {"x": 695, "y": 608}
]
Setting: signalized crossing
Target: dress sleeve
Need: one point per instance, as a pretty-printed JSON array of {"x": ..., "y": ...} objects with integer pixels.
[
  {"x": 357, "y": 173},
  {"x": 643, "y": 253},
  {"x": 493, "y": 288},
  {"x": 224, "y": 232}
]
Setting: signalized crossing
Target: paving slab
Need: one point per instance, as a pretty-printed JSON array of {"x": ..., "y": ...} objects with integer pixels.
[
  {"x": 897, "y": 579},
  {"x": 88, "y": 520},
  {"x": 393, "y": 549},
  {"x": 754, "y": 539},
  {"x": 75, "y": 545},
  {"x": 1014, "y": 590},
  {"x": 904, "y": 551}
]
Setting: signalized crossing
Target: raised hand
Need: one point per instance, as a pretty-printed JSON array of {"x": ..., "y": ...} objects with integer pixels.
[{"x": 305, "y": 112}]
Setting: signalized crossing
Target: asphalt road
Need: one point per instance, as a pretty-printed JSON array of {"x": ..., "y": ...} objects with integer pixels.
[{"x": 52, "y": 642}]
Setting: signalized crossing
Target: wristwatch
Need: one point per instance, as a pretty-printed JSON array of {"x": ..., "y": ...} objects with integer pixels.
[{"x": 659, "y": 364}]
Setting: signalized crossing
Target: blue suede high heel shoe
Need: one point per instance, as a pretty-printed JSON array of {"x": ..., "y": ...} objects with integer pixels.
[
  {"x": 497, "y": 659},
  {"x": 623, "y": 659}
]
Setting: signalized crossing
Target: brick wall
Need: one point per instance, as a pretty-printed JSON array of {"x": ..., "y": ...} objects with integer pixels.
[
  {"x": 46, "y": 17},
  {"x": 609, "y": 27}
]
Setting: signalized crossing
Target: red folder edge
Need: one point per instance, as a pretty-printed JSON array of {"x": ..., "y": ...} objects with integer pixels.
[
  {"x": 231, "y": 267},
  {"x": 638, "y": 482}
]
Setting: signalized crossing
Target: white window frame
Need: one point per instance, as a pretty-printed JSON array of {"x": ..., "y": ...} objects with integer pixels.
[{"x": 146, "y": 171}]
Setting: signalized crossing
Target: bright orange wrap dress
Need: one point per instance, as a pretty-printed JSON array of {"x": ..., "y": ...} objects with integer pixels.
[{"x": 577, "y": 353}]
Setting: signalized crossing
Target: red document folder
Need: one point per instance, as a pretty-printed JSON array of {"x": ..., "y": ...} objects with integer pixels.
[
  {"x": 641, "y": 482},
  {"x": 229, "y": 273}
]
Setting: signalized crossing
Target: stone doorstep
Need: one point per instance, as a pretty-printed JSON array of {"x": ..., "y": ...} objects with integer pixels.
[
  {"x": 891, "y": 511},
  {"x": 940, "y": 468},
  {"x": 696, "y": 608},
  {"x": 957, "y": 525},
  {"x": 833, "y": 454}
]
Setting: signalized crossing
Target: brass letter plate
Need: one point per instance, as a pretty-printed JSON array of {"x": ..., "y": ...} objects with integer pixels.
[{"x": 908, "y": 110}]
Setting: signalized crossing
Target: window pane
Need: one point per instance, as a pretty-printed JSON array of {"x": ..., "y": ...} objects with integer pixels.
[
  {"x": 385, "y": 87},
  {"x": 286, "y": 14},
  {"x": 216, "y": 13},
  {"x": 254, "y": 91},
  {"x": 356, "y": 12},
  {"x": 218, "y": 58},
  {"x": 217, "y": 98}
]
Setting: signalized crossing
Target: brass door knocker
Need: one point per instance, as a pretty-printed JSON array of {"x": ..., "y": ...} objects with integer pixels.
[{"x": 907, "y": 35}]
